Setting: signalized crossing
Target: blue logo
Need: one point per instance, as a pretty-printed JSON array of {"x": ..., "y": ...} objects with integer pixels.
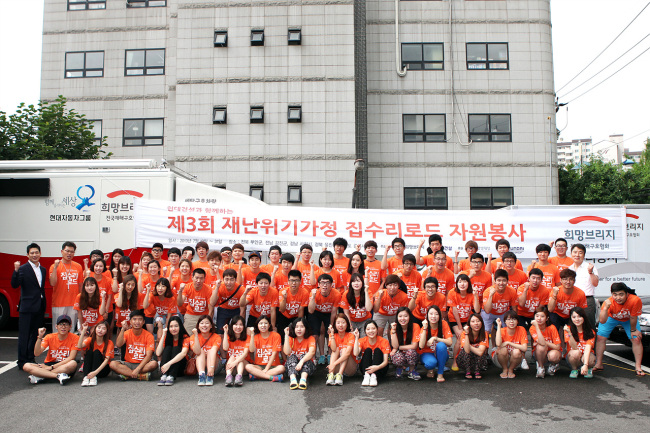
[{"x": 85, "y": 201}]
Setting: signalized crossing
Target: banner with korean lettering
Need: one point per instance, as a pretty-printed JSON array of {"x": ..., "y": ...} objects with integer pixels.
[{"x": 601, "y": 230}]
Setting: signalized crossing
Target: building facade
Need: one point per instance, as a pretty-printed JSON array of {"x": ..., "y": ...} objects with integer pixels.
[{"x": 453, "y": 108}]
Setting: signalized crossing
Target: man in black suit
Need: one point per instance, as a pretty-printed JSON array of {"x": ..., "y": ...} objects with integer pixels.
[{"x": 30, "y": 277}]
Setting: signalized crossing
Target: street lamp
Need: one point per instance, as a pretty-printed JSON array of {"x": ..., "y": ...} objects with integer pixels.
[{"x": 359, "y": 164}]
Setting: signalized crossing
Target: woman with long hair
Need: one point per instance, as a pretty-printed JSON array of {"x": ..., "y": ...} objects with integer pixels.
[
  {"x": 205, "y": 343},
  {"x": 88, "y": 303},
  {"x": 404, "y": 339},
  {"x": 98, "y": 352},
  {"x": 356, "y": 303},
  {"x": 373, "y": 350},
  {"x": 236, "y": 342},
  {"x": 172, "y": 351},
  {"x": 300, "y": 349},
  {"x": 435, "y": 338},
  {"x": 341, "y": 344},
  {"x": 474, "y": 343},
  {"x": 547, "y": 346},
  {"x": 266, "y": 346},
  {"x": 355, "y": 266},
  {"x": 580, "y": 338}
]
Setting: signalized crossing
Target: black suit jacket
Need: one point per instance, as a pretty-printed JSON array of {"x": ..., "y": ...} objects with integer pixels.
[{"x": 32, "y": 295}]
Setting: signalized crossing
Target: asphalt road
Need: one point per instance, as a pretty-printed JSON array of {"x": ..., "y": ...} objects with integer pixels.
[{"x": 615, "y": 400}]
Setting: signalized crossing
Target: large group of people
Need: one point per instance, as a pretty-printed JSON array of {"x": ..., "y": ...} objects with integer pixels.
[{"x": 197, "y": 312}]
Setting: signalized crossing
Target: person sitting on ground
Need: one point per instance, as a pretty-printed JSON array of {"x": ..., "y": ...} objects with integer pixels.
[
  {"x": 511, "y": 343},
  {"x": 98, "y": 353},
  {"x": 172, "y": 351},
  {"x": 139, "y": 343}
]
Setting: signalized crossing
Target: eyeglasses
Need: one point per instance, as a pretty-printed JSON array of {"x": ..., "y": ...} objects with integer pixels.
[{"x": 157, "y": 250}]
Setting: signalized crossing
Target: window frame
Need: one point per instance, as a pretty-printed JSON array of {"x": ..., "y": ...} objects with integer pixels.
[
  {"x": 294, "y": 41},
  {"x": 144, "y": 67},
  {"x": 260, "y": 42},
  {"x": 474, "y": 189},
  {"x": 487, "y": 62},
  {"x": 441, "y": 62},
  {"x": 256, "y": 119},
  {"x": 293, "y": 119},
  {"x": 92, "y": 122},
  {"x": 221, "y": 44},
  {"x": 424, "y": 133},
  {"x": 294, "y": 187},
  {"x": 87, "y": 4},
  {"x": 259, "y": 188},
  {"x": 426, "y": 205},
  {"x": 142, "y": 138},
  {"x": 136, "y": 4},
  {"x": 224, "y": 110},
  {"x": 85, "y": 70},
  {"x": 489, "y": 133}
]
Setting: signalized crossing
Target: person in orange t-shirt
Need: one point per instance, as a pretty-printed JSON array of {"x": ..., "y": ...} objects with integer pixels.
[
  {"x": 157, "y": 253},
  {"x": 183, "y": 279},
  {"x": 374, "y": 274},
  {"x": 480, "y": 278},
  {"x": 435, "y": 338},
  {"x": 502, "y": 246},
  {"x": 356, "y": 265},
  {"x": 561, "y": 261},
  {"x": 341, "y": 343},
  {"x": 205, "y": 343},
  {"x": 371, "y": 352},
  {"x": 531, "y": 295},
  {"x": 547, "y": 345},
  {"x": 410, "y": 276},
  {"x": 511, "y": 343},
  {"x": 580, "y": 339},
  {"x": 98, "y": 351},
  {"x": 300, "y": 350},
  {"x": 105, "y": 284},
  {"x": 214, "y": 273},
  {"x": 172, "y": 351},
  {"x": 394, "y": 264},
  {"x": 263, "y": 299},
  {"x": 497, "y": 300},
  {"x": 236, "y": 342},
  {"x": 426, "y": 298},
  {"x": 471, "y": 248},
  {"x": 462, "y": 302},
  {"x": 202, "y": 249},
  {"x": 65, "y": 278},
  {"x": 516, "y": 277},
  {"x": 160, "y": 304},
  {"x": 305, "y": 265},
  {"x": 445, "y": 277},
  {"x": 562, "y": 300},
  {"x": 474, "y": 342},
  {"x": 404, "y": 339},
  {"x": 356, "y": 303},
  {"x": 197, "y": 295},
  {"x": 275, "y": 253},
  {"x": 550, "y": 272},
  {"x": 226, "y": 300},
  {"x": 322, "y": 307},
  {"x": 435, "y": 245},
  {"x": 280, "y": 276},
  {"x": 139, "y": 343},
  {"x": 387, "y": 302},
  {"x": 325, "y": 266},
  {"x": 248, "y": 276},
  {"x": 266, "y": 346},
  {"x": 87, "y": 303},
  {"x": 292, "y": 303},
  {"x": 341, "y": 262}
]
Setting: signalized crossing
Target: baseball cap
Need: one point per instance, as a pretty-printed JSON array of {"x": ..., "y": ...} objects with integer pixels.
[{"x": 63, "y": 318}]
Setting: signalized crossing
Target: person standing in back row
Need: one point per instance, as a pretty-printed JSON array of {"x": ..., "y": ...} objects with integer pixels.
[
  {"x": 65, "y": 278},
  {"x": 586, "y": 279}
]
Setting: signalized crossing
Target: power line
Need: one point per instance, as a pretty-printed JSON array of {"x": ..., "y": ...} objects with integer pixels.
[
  {"x": 605, "y": 49},
  {"x": 603, "y": 69}
]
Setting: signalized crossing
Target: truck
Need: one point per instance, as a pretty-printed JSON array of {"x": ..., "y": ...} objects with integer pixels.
[{"x": 89, "y": 202}]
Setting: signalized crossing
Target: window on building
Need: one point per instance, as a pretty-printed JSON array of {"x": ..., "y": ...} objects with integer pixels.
[
  {"x": 490, "y": 127},
  {"x": 82, "y": 5},
  {"x": 257, "y": 114},
  {"x": 294, "y": 194},
  {"x": 219, "y": 185},
  {"x": 294, "y": 114},
  {"x": 491, "y": 198},
  {"x": 219, "y": 115},
  {"x": 143, "y": 132},
  {"x": 145, "y": 62},
  {"x": 96, "y": 128},
  {"x": 257, "y": 191},
  {"x": 425, "y": 198},
  {"x": 423, "y": 127},
  {"x": 145, "y": 3},
  {"x": 295, "y": 37},
  {"x": 422, "y": 56},
  {"x": 487, "y": 55},
  {"x": 84, "y": 64},
  {"x": 221, "y": 38},
  {"x": 257, "y": 37}
]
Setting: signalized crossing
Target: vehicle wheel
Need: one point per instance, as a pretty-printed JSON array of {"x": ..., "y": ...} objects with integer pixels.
[{"x": 5, "y": 312}]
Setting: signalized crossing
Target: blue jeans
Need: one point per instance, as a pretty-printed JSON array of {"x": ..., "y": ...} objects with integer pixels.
[{"x": 431, "y": 361}]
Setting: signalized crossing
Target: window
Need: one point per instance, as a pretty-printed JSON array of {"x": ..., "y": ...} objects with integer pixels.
[
  {"x": 295, "y": 37},
  {"x": 419, "y": 57},
  {"x": 489, "y": 127},
  {"x": 423, "y": 127},
  {"x": 487, "y": 55},
  {"x": 96, "y": 128},
  {"x": 295, "y": 114},
  {"x": 82, "y": 5},
  {"x": 219, "y": 185},
  {"x": 257, "y": 191},
  {"x": 84, "y": 64},
  {"x": 143, "y": 132},
  {"x": 145, "y": 62},
  {"x": 145, "y": 3},
  {"x": 257, "y": 37},
  {"x": 221, "y": 38},
  {"x": 425, "y": 198},
  {"x": 294, "y": 194},
  {"x": 219, "y": 115},
  {"x": 257, "y": 114},
  {"x": 490, "y": 198}
]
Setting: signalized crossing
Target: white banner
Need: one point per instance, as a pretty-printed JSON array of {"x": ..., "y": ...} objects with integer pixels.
[{"x": 601, "y": 230}]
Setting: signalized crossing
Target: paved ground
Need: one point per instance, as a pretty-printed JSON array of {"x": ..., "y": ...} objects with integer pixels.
[{"x": 615, "y": 400}]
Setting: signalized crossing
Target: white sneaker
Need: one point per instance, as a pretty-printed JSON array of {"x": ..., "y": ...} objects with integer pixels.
[
  {"x": 338, "y": 379},
  {"x": 34, "y": 380},
  {"x": 373, "y": 380},
  {"x": 63, "y": 378},
  {"x": 330, "y": 379},
  {"x": 540, "y": 372},
  {"x": 524, "y": 364},
  {"x": 85, "y": 381},
  {"x": 552, "y": 369},
  {"x": 93, "y": 381},
  {"x": 366, "y": 380}
]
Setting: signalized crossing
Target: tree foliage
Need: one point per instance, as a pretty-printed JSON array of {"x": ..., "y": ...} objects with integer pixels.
[
  {"x": 48, "y": 130},
  {"x": 599, "y": 182}
]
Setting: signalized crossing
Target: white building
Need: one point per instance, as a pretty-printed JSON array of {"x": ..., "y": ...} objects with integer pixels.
[
  {"x": 580, "y": 151},
  {"x": 279, "y": 98}
]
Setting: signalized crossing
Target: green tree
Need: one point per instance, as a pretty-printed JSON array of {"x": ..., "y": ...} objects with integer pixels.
[{"x": 48, "y": 130}]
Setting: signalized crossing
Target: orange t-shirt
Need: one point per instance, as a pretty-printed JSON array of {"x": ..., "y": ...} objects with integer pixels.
[
  {"x": 100, "y": 347},
  {"x": 422, "y": 303},
  {"x": 249, "y": 277},
  {"x": 91, "y": 315},
  {"x": 261, "y": 305},
  {"x": 550, "y": 334},
  {"x": 517, "y": 278},
  {"x": 197, "y": 300},
  {"x": 223, "y": 294},
  {"x": 428, "y": 261},
  {"x": 631, "y": 307},
  {"x": 356, "y": 314},
  {"x": 581, "y": 342},
  {"x": 198, "y": 264},
  {"x": 237, "y": 347},
  {"x": 59, "y": 350},
  {"x": 301, "y": 348},
  {"x": 520, "y": 337},
  {"x": 326, "y": 304},
  {"x": 380, "y": 343},
  {"x": 465, "y": 265},
  {"x": 305, "y": 270},
  {"x": 137, "y": 346},
  {"x": 214, "y": 340},
  {"x": 480, "y": 282},
  {"x": 336, "y": 276},
  {"x": 388, "y": 306},
  {"x": 264, "y": 348},
  {"x": 343, "y": 342},
  {"x": 446, "y": 333},
  {"x": 413, "y": 281},
  {"x": 416, "y": 334},
  {"x": 564, "y": 303},
  {"x": 373, "y": 276},
  {"x": 446, "y": 280},
  {"x": 268, "y": 268},
  {"x": 121, "y": 314},
  {"x": 394, "y": 264},
  {"x": 211, "y": 280},
  {"x": 501, "y": 302},
  {"x": 464, "y": 305},
  {"x": 106, "y": 287},
  {"x": 485, "y": 342},
  {"x": 495, "y": 263},
  {"x": 294, "y": 302},
  {"x": 561, "y": 264},
  {"x": 176, "y": 285},
  {"x": 551, "y": 275},
  {"x": 281, "y": 281},
  {"x": 534, "y": 298},
  {"x": 162, "y": 307},
  {"x": 341, "y": 264},
  {"x": 68, "y": 283}
]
